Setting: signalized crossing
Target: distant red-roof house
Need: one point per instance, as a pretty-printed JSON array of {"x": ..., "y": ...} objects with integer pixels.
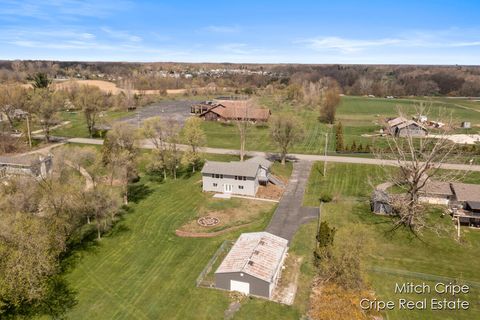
[{"x": 236, "y": 110}]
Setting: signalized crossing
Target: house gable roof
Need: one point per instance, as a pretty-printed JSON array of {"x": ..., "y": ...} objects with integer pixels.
[
  {"x": 234, "y": 168},
  {"x": 410, "y": 123},
  {"x": 396, "y": 121},
  {"x": 238, "y": 110},
  {"x": 260, "y": 160},
  {"x": 473, "y": 205},
  {"x": 248, "y": 168},
  {"x": 258, "y": 254},
  {"x": 466, "y": 191},
  {"x": 23, "y": 160},
  {"x": 437, "y": 188}
]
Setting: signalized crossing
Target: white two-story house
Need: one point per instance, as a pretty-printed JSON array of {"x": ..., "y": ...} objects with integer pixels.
[{"x": 236, "y": 177}]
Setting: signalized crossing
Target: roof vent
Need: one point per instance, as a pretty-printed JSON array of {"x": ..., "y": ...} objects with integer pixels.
[{"x": 250, "y": 263}]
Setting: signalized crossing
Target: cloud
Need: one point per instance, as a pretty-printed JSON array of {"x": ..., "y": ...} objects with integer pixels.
[
  {"x": 347, "y": 45},
  {"x": 54, "y": 10},
  {"x": 222, "y": 29},
  {"x": 121, "y": 35},
  {"x": 416, "y": 39}
]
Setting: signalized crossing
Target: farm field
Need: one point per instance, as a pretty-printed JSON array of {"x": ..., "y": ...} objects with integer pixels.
[
  {"x": 142, "y": 270},
  {"x": 399, "y": 257}
]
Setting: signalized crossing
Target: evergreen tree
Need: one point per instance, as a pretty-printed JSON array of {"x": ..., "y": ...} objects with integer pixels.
[{"x": 339, "y": 138}]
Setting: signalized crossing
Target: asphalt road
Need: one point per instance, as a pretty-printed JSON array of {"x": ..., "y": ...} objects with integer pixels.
[{"x": 308, "y": 157}]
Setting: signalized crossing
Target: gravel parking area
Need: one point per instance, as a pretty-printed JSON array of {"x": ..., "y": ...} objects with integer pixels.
[{"x": 175, "y": 109}]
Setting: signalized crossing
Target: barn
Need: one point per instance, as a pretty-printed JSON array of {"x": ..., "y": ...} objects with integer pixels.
[{"x": 253, "y": 265}]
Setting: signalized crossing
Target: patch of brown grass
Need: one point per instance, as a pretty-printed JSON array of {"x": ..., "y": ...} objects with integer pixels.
[
  {"x": 230, "y": 212},
  {"x": 270, "y": 191}
]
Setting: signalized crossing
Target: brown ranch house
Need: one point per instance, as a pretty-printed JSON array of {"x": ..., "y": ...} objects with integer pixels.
[{"x": 231, "y": 110}]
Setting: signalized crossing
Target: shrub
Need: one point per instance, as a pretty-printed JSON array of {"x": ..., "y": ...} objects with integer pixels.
[{"x": 326, "y": 197}]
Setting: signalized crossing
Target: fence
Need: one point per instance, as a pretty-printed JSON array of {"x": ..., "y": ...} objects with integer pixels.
[{"x": 209, "y": 283}]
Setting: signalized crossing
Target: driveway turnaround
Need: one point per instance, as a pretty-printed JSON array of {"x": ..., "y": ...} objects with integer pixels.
[{"x": 290, "y": 214}]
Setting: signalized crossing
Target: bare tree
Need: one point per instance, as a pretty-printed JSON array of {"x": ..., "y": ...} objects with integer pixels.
[
  {"x": 11, "y": 99},
  {"x": 419, "y": 159},
  {"x": 242, "y": 117},
  {"x": 45, "y": 105},
  {"x": 155, "y": 130},
  {"x": 119, "y": 154},
  {"x": 92, "y": 101},
  {"x": 284, "y": 131}
]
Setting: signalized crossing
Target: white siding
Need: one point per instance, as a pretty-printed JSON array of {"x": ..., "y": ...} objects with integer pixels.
[{"x": 250, "y": 185}]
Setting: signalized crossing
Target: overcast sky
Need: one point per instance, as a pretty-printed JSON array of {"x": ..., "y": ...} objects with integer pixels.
[{"x": 376, "y": 32}]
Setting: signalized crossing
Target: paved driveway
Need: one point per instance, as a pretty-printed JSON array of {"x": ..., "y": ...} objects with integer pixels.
[
  {"x": 290, "y": 214},
  {"x": 175, "y": 109}
]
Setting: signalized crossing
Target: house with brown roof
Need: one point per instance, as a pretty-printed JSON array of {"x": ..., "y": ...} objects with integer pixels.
[
  {"x": 231, "y": 110},
  {"x": 253, "y": 265}
]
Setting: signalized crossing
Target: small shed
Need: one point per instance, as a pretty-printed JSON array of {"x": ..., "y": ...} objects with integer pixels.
[
  {"x": 253, "y": 265},
  {"x": 34, "y": 165},
  {"x": 380, "y": 202},
  {"x": 410, "y": 128},
  {"x": 473, "y": 207},
  {"x": 466, "y": 124}
]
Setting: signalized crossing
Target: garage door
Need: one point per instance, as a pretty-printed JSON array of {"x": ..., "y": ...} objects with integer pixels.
[{"x": 243, "y": 287}]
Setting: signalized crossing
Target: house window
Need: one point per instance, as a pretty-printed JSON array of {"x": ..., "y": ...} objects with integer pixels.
[
  {"x": 221, "y": 176},
  {"x": 215, "y": 184},
  {"x": 244, "y": 178},
  {"x": 236, "y": 177},
  {"x": 240, "y": 187}
]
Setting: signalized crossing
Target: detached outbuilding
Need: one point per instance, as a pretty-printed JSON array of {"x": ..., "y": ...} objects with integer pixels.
[
  {"x": 33, "y": 165},
  {"x": 253, "y": 265},
  {"x": 380, "y": 203}
]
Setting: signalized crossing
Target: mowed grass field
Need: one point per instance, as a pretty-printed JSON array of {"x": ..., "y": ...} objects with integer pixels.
[
  {"x": 142, "y": 270},
  {"x": 399, "y": 257},
  {"x": 358, "y": 115}
]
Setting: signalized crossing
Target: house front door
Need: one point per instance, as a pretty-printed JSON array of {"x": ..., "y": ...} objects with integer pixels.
[{"x": 227, "y": 188}]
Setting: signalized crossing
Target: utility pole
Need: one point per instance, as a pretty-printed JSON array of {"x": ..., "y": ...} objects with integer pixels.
[
  {"x": 29, "y": 134},
  {"x": 325, "y": 161}
]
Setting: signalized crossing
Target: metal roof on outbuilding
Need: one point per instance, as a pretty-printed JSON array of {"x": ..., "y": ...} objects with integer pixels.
[{"x": 259, "y": 254}]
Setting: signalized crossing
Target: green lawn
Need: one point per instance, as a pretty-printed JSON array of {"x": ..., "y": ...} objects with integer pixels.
[
  {"x": 399, "y": 257},
  {"x": 143, "y": 271},
  {"x": 78, "y": 126}
]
